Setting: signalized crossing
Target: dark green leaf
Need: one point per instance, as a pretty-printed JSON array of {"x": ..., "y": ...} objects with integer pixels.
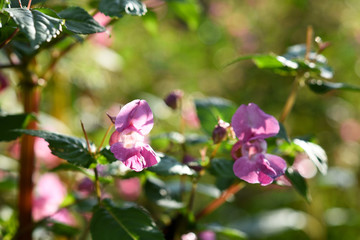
[
  {"x": 222, "y": 168},
  {"x": 109, "y": 156},
  {"x": 62, "y": 229},
  {"x": 315, "y": 153},
  {"x": 77, "y": 20},
  {"x": 193, "y": 139},
  {"x": 110, "y": 222},
  {"x": 298, "y": 183},
  {"x": 37, "y": 26},
  {"x": 170, "y": 166},
  {"x": 72, "y": 149},
  {"x": 283, "y": 134},
  {"x": 11, "y": 122},
  {"x": 116, "y": 8},
  {"x": 321, "y": 86},
  {"x": 210, "y": 109},
  {"x": 156, "y": 191},
  {"x": 15, "y": 3},
  {"x": 68, "y": 167}
]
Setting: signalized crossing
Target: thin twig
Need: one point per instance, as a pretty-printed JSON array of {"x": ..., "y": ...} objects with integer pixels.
[
  {"x": 103, "y": 140},
  {"x": 9, "y": 38},
  {"x": 309, "y": 39},
  {"x": 20, "y": 4},
  {"x": 97, "y": 185},
  {"x": 86, "y": 137},
  {"x": 219, "y": 201},
  {"x": 29, "y": 4}
]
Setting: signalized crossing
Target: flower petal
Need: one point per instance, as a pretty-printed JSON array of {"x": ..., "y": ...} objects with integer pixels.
[
  {"x": 114, "y": 138},
  {"x": 250, "y": 122},
  {"x": 277, "y": 164},
  {"x": 121, "y": 153},
  {"x": 246, "y": 170},
  {"x": 135, "y": 116}
]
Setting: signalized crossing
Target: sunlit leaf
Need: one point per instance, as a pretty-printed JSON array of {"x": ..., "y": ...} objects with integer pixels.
[
  {"x": 37, "y": 26},
  {"x": 321, "y": 86},
  {"x": 170, "y": 166},
  {"x": 111, "y": 222},
  {"x": 298, "y": 182},
  {"x": 79, "y": 21},
  {"x": 72, "y": 149},
  {"x": 315, "y": 153},
  {"x": 116, "y": 8},
  {"x": 210, "y": 109},
  {"x": 108, "y": 155},
  {"x": 11, "y": 122}
]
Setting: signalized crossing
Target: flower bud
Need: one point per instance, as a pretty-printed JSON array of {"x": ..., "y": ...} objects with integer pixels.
[
  {"x": 173, "y": 99},
  {"x": 220, "y": 131},
  {"x": 192, "y": 163}
]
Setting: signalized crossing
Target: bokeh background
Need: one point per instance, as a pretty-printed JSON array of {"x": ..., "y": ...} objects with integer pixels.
[{"x": 186, "y": 48}]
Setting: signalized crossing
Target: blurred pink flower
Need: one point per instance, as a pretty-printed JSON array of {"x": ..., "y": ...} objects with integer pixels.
[
  {"x": 190, "y": 117},
  {"x": 65, "y": 217},
  {"x": 134, "y": 121},
  {"x": 85, "y": 187},
  {"x": 49, "y": 193},
  {"x": 207, "y": 235},
  {"x": 251, "y": 126},
  {"x": 129, "y": 189},
  {"x": 103, "y": 38},
  {"x": 350, "y": 130}
]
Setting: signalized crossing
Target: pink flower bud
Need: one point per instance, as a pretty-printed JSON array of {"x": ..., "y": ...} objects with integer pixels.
[{"x": 220, "y": 131}]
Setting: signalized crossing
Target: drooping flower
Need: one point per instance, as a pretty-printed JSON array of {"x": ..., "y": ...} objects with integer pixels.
[
  {"x": 132, "y": 124},
  {"x": 251, "y": 126}
]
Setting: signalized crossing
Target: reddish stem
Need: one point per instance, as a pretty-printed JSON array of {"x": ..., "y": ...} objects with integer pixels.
[
  {"x": 219, "y": 201},
  {"x": 30, "y": 96},
  {"x": 29, "y": 4}
]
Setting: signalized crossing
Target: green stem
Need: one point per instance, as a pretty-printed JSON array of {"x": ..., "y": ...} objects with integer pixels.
[
  {"x": 103, "y": 140},
  {"x": 97, "y": 185}
]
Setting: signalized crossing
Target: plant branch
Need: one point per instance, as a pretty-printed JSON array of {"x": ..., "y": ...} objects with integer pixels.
[
  {"x": 219, "y": 201},
  {"x": 9, "y": 38},
  {"x": 20, "y": 3},
  {"x": 29, "y": 4},
  {"x": 97, "y": 185},
  {"x": 86, "y": 137}
]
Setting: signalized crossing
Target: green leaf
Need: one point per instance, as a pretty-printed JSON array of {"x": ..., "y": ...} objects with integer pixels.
[
  {"x": 37, "y": 26},
  {"x": 108, "y": 155},
  {"x": 116, "y": 8},
  {"x": 210, "y": 109},
  {"x": 11, "y": 122},
  {"x": 110, "y": 222},
  {"x": 170, "y": 166},
  {"x": 77, "y": 20},
  {"x": 156, "y": 191},
  {"x": 315, "y": 153},
  {"x": 151, "y": 23},
  {"x": 62, "y": 229},
  {"x": 321, "y": 86},
  {"x": 298, "y": 183},
  {"x": 72, "y": 149},
  {"x": 8, "y": 184},
  {"x": 222, "y": 168}
]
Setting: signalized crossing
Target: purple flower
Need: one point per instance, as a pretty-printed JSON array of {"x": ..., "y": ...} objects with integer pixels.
[
  {"x": 251, "y": 125},
  {"x": 132, "y": 124}
]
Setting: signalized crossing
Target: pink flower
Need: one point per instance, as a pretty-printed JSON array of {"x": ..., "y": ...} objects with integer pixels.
[
  {"x": 129, "y": 189},
  {"x": 132, "y": 124},
  {"x": 49, "y": 194},
  {"x": 251, "y": 125}
]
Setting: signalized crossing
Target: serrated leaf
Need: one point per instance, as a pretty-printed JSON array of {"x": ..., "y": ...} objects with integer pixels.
[
  {"x": 72, "y": 149},
  {"x": 170, "y": 166},
  {"x": 222, "y": 168},
  {"x": 110, "y": 222},
  {"x": 321, "y": 86},
  {"x": 37, "y": 26},
  {"x": 77, "y": 20},
  {"x": 298, "y": 183},
  {"x": 210, "y": 109},
  {"x": 156, "y": 191},
  {"x": 11, "y": 122},
  {"x": 116, "y": 8},
  {"x": 315, "y": 153}
]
